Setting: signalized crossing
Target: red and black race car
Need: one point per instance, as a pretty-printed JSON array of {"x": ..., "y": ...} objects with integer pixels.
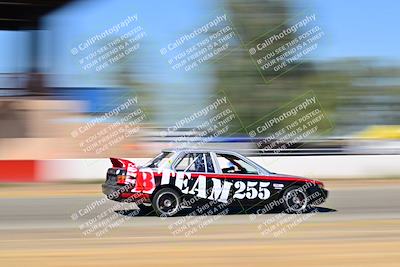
[{"x": 176, "y": 177}]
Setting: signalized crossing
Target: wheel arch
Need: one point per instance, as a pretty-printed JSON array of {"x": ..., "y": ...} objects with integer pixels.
[
  {"x": 159, "y": 187},
  {"x": 295, "y": 184}
]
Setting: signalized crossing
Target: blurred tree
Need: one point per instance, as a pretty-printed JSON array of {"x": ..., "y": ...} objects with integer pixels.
[
  {"x": 357, "y": 93},
  {"x": 252, "y": 91}
]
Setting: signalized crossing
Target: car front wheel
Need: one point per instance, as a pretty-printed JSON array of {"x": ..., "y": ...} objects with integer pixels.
[
  {"x": 166, "y": 202},
  {"x": 295, "y": 200}
]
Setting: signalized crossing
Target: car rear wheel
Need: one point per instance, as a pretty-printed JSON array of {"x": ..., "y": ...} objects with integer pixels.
[
  {"x": 166, "y": 202},
  {"x": 295, "y": 200}
]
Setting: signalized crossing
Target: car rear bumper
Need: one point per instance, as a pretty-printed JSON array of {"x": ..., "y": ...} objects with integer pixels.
[
  {"x": 123, "y": 193},
  {"x": 111, "y": 191}
]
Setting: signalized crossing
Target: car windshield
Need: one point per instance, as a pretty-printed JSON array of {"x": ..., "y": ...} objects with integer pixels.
[{"x": 159, "y": 160}]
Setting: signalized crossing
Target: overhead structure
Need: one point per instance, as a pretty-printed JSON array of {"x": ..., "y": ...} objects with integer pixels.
[{"x": 26, "y": 14}]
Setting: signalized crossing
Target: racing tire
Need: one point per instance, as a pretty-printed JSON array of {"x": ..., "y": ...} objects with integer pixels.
[
  {"x": 166, "y": 202},
  {"x": 295, "y": 200}
]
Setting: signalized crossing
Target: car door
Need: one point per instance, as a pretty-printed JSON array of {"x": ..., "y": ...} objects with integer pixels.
[
  {"x": 250, "y": 187},
  {"x": 188, "y": 167}
]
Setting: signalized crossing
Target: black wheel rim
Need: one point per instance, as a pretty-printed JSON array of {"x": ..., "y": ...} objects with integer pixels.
[
  {"x": 167, "y": 203},
  {"x": 296, "y": 200}
]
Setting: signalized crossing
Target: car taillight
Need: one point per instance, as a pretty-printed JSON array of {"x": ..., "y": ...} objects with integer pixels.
[{"x": 121, "y": 179}]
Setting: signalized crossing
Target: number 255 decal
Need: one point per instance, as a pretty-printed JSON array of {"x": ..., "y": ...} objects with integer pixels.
[{"x": 251, "y": 190}]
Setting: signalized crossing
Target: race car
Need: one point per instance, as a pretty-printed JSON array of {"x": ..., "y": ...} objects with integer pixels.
[{"x": 176, "y": 177}]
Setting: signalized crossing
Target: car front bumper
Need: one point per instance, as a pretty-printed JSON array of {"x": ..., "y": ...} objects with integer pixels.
[{"x": 317, "y": 195}]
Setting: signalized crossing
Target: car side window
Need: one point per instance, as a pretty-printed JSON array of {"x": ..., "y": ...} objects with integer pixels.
[
  {"x": 191, "y": 162},
  {"x": 233, "y": 164},
  {"x": 210, "y": 165}
]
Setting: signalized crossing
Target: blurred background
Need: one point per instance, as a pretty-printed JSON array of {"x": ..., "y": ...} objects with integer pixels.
[
  {"x": 48, "y": 92},
  {"x": 85, "y": 80}
]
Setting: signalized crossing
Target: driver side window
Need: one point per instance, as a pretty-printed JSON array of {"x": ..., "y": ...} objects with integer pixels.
[{"x": 232, "y": 164}]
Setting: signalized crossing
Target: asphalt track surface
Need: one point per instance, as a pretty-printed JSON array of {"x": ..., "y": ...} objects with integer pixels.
[{"x": 359, "y": 225}]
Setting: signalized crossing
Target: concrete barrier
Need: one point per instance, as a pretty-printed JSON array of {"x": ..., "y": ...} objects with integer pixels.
[
  {"x": 318, "y": 167},
  {"x": 335, "y": 167}
]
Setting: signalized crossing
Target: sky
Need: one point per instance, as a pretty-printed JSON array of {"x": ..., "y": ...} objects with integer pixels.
[{"x": 357, "y": 28}]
